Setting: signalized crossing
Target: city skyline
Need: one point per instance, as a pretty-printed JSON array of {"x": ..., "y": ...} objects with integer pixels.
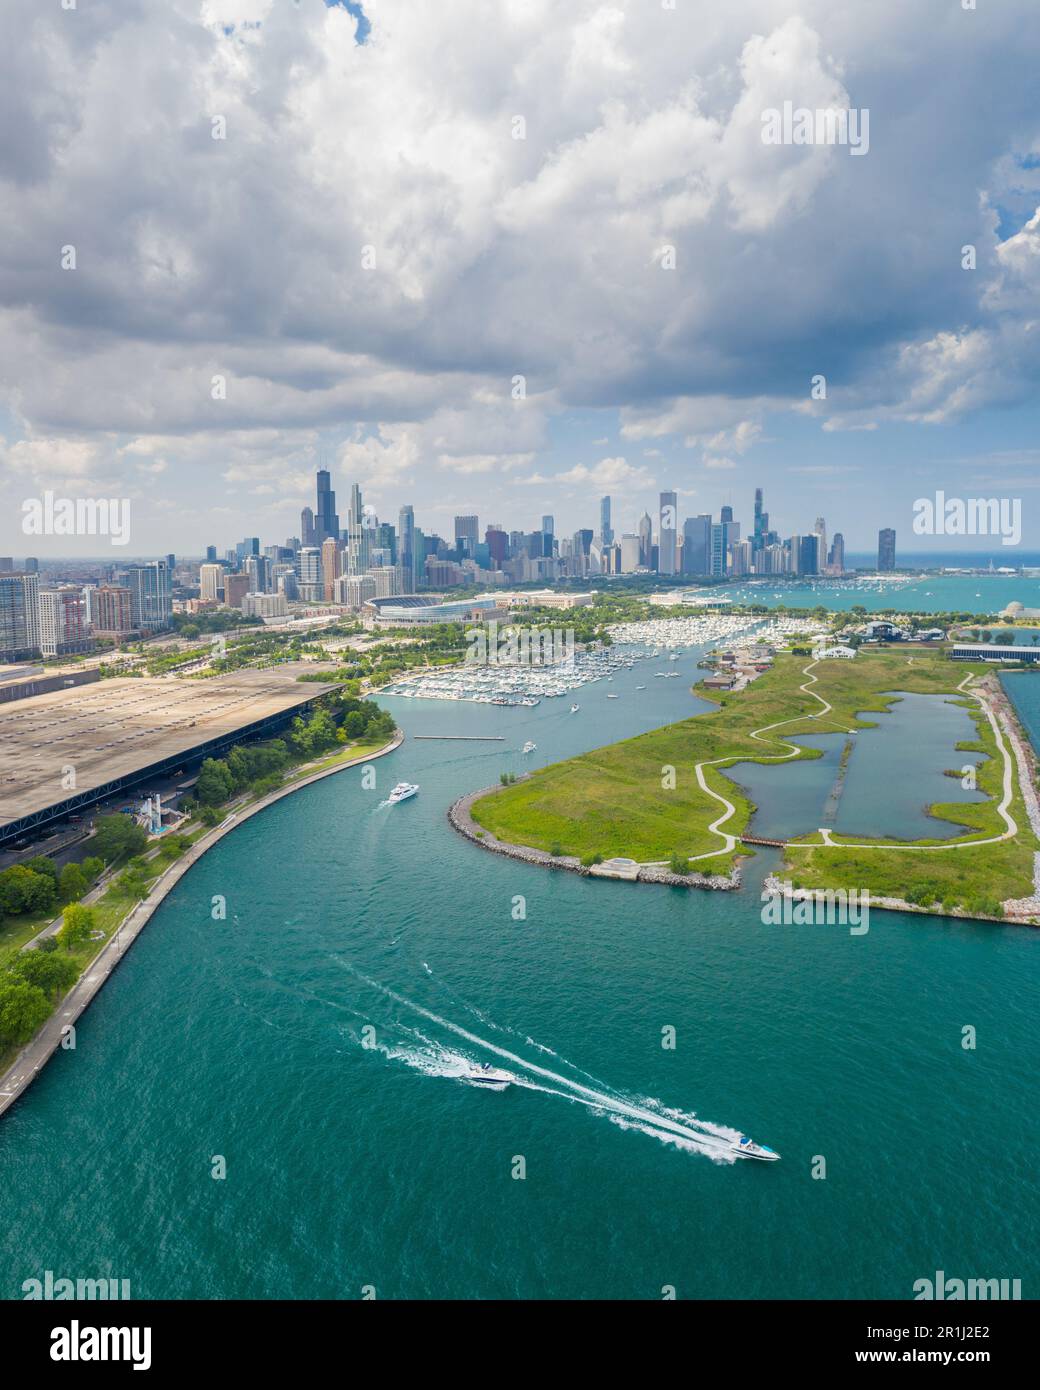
[{"x": 457, "y": 340}]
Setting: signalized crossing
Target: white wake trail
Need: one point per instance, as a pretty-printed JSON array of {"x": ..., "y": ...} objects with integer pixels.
[{"x": 712, "y": 1139}]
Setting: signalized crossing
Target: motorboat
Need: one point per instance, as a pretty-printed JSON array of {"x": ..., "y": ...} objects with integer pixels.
[
  {"x": 528, "y": 747},
  {"x": 640, "y": 687},
  {"x": 747, "y": 1148},
  {"x": 402, "y": 792},
  {"x": 613, "y": 697},
  {"x": 575, "y": 709},
  {"x": 484, "y": 1074}
]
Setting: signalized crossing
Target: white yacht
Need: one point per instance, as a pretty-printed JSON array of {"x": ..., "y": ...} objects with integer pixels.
[
  {"x": 484, "y": 1074},
  {"x": 747, "y": 1148},
  {"x": 402, "y": 792},
  {"x": 575, "y": 709},
  {"x": 528, "y": 747},
  {"x": 613, "y": 697}
]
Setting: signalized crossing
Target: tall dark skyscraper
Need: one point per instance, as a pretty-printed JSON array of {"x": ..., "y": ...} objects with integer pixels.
[
  {"x": 406, "y": 546},
  {"x": 606, "y": 534},
  {"x": 886, "y": 550},
  {"x": 326, "y": 520},
  {"x": 696, "y": 553},
  {"x": 761, "y": 531}
]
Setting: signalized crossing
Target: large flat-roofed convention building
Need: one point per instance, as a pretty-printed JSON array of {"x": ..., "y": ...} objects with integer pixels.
[{"x": 68, "y": 749}]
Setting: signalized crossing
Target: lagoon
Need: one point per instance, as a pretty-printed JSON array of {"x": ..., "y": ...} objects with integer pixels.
[{"x": 894, "y": 772}]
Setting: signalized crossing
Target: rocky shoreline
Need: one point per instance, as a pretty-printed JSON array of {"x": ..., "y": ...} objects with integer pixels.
[{"x": 460, "y": 819}]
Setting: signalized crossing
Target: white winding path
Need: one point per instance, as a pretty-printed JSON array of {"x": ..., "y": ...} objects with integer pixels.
[{"x": 826, "y": 840}]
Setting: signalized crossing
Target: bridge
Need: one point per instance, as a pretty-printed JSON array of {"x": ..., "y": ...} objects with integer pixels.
[{"x": 761, "y": 840}]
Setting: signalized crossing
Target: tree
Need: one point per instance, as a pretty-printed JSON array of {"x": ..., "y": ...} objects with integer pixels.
[
  {"x": 40, "y": 864},
  {"x": 47, "y": 971},
  {"x": 93, "y": 866},
  {"x": 47, "y": 943},
  {"x": 215, "y": 782},
  {"x": 354, "y": 724},
  {"x": 22, "y": 890},
  {"x": 23, "y": 1007},
  {"x": 77, "y": 924},
  {"x": 73, "y": 882},
  {"x": 118, "y": 835}
]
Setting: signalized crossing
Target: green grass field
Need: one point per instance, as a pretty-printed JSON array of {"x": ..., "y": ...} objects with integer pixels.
[{"x": 618, "y": 800}]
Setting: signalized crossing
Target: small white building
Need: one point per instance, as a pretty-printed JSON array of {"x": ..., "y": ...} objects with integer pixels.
[{"x": 843, "y": 653}]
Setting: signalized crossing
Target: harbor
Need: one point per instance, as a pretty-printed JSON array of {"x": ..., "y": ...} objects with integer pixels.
[{"x": 524, "y": 686}]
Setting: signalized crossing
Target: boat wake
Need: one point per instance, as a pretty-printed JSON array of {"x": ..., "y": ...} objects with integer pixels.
[{"x": 682, "y": 1129}]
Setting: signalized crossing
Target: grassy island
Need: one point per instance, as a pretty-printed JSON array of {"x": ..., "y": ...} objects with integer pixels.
[{"x": 666, "y": 793}]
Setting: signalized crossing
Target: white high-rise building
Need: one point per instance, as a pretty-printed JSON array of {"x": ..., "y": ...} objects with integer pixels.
[{"x": 211, "y": 581}]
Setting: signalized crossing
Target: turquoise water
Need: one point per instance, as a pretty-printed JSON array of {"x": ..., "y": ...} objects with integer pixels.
[
  {"x": 1023, "y": 689},
  {"x": 895, "y": 771},
  {"x": 982, "y": 594},
  {"x": 349, "y": 1166}
]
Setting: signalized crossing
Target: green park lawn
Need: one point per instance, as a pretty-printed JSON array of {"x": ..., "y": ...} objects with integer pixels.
[{"x": 614, "y": 800}]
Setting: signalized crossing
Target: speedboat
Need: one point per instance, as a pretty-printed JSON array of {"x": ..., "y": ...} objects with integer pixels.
[
  {"x": 613, "y": 697},
  {"x": 528, "y": 747},
  {"x": 747, "y": 1148},
  {"x": 484, "y": 1074},
  {"x": 640, "y": 687},
  {"x": 402, "y": 792},
  {"x": 575, "y": 709}
]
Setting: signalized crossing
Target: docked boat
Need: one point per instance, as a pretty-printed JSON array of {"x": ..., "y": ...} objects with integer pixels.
[
  {"x": 484, "y": 1074},
  {"x": 528, "y": 747},
  {"x": 402, "y": 792},
  {"x": 747, "y": 1148}
]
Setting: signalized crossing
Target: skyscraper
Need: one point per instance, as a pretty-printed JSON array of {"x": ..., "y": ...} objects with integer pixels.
[
  {"x": 331, "y": 566},
  {"x": 466, "y": 531},
  {"x": 836, "y": 559},
  {"x": 646, "y": 540},
  {"x": 19, "y": 616},
  {"x": 696, "y": 552},
  {"x": 606, "y": 535},
  {"x": 760, "y": 533},
  {"x": 886, "y": 551},
  {"x": 666, "y": 541},
  {"x": 307, "y": 527},
  {"x": 357, "y": 534},
  {"x": 63, "y": 621},
  {"x": 211, "y": 581},
  {"x": 406, "y": 547},
  {"x": 326, "y": 520},
  {"x": 150, "y": 597}
]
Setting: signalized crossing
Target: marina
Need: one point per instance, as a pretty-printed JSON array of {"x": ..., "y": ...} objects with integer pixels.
[{"x": 523, "y": 686}]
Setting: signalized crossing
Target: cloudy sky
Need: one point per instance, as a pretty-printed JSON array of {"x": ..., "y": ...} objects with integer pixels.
[{"x": 409, "y": 206}]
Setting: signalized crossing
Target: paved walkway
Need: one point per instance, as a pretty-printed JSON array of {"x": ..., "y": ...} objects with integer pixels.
[
  {"x": 37, "y": 1053},
  {"x": 1000, "y": 723}
]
